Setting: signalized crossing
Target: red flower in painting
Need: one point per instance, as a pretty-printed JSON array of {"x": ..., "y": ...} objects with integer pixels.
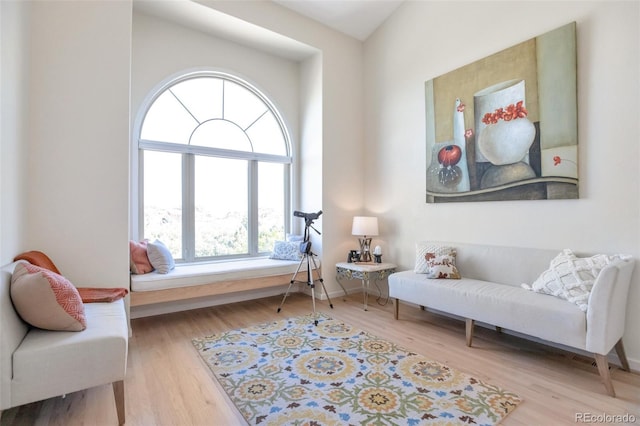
[
  {"x": 489, "y": 119},
  {"x": 460, "y": 108},
  {"x": 557, "y": 160},
  {"x": 511, "y": 112}
]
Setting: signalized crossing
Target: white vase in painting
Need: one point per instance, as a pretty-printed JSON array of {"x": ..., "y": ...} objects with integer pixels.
[
  {"x": 507, "y": 142},
  {"x": 504, "y": 141}
]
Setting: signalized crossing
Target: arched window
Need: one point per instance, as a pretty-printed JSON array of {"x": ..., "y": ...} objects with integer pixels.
[{"x": 214, "y": 172}]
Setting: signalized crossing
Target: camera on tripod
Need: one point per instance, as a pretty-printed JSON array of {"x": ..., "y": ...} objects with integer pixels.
[
  {"x": 308, "y": 259},
  {"x": 308, "y": 217},
  {"x": 305, "y": 245}
]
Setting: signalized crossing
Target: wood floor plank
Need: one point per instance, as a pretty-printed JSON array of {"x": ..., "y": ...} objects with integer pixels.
[{"x": 168, "y": 383}]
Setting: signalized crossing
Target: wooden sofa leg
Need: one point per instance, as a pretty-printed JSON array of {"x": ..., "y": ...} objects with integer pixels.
[
  {"x": 118, "y": 393},
  {"x": 396, "y": 308},
  {"x": 605, "y": 375},
  {"x": 622, "y": 356},
  {"x": 468, "y": 327}
]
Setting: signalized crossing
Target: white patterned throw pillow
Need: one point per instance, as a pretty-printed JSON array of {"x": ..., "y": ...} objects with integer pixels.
[
  {"x": 427, "y": 249},
  {"x": 286, "y": 250},
  {"x": 571, "y": 278}
]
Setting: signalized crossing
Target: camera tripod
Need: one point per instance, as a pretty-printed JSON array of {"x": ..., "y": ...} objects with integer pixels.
[{"x": 308, "y": 257}]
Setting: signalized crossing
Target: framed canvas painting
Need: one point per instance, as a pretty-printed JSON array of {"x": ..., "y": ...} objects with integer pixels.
[{"x": 506, "y": 127}]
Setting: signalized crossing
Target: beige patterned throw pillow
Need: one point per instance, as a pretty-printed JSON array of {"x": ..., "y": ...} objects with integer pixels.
[
  {"x": 571, "y": 278},
  {"x": 443, "y": 266},
  {"x": 46, "y": 300},
  {"x": 427, "y": 249}
]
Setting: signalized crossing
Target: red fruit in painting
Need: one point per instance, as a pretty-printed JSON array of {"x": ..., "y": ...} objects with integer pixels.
[{"x": 449, "y": 155}]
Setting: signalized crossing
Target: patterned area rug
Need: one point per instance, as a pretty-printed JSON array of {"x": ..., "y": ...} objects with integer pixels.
[{"x": 292, "y": 372}]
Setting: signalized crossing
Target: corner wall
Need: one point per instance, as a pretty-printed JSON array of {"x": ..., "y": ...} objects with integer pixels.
[
  {"x": 78, "y": 150},
  {"x": 423, "y": 40},
  {"x": 332, "y": 176},
  {"x": 14, "y": 70}
]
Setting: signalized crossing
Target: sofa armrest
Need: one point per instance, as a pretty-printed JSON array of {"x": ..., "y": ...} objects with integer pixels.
[{"x": 607, "y": 307}]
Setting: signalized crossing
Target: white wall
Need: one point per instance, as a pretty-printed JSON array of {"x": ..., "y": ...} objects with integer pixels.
[
  {"x": 78, "y": 150},
  {"x": 340, "y": 193},
  {"x": 14, "y": 70},
  {"x": 423, "y": 40},
  {"x": 309, "y": 164}
]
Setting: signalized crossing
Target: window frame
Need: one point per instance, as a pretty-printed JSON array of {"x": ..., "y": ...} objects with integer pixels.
[{"x": 189, "y": 152}]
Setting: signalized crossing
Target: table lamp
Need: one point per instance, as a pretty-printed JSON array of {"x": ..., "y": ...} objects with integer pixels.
[{"x": 365, "y": 227}]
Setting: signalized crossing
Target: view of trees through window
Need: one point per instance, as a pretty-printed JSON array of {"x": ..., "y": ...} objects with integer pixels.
[{"x": 215, "y": 170}]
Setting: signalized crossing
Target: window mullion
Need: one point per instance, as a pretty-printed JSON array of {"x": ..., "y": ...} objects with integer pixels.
[
  {"x": 188, "y": 207},
  {"x": 253, "y": 208},
  {"x": 287, "y": 199}
]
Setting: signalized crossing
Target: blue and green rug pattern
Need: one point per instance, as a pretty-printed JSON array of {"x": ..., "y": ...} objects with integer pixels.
[{"x": 291, "y": 372}]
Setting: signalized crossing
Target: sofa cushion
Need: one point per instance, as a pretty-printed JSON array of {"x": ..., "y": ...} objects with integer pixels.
[
  {"x": 195, "y": 274},
  {"x": 46, "y": 300},
  {"x": 425, "y": 250},
  {"x": 510, "y": 307},
  {"x": 74, "y": 356},
  {"x": 570, "y": 277}
]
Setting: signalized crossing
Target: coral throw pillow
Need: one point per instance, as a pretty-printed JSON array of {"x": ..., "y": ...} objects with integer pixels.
[
  {"x": 139, "y": 261},
  {"x": 46, "y": 300},
  {"x": 38, "y": 258}
]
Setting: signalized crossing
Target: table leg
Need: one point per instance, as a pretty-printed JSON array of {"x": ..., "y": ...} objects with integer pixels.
[
  {"x": 343, "y": 289},
  {"x": 365, "y": 290}
]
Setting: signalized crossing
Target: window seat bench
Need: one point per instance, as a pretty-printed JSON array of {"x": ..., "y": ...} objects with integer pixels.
[{"x": 210, "y": 279}]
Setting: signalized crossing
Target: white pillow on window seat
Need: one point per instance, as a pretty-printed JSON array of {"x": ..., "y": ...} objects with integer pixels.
[
  {"x": 160, "y": 257},
  {"x": 286, "y": 250}
]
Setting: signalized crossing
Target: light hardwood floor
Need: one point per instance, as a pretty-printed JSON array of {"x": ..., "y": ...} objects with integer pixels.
[{"x": 168, "y": 384}]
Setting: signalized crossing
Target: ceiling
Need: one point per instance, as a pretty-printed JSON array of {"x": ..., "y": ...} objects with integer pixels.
[{"x": 357, "y": 18}]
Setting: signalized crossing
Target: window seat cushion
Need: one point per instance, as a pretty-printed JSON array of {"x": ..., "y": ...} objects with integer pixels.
[{"x": 208, "y": 273}]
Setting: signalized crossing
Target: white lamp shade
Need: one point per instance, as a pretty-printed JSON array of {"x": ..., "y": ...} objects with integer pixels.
[{"x": 365, "y": 225}]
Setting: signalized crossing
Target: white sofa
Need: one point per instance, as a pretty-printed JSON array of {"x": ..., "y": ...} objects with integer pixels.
[
  {"x": 490, "y": 292},
  {"x": 37, "y": 364}
]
